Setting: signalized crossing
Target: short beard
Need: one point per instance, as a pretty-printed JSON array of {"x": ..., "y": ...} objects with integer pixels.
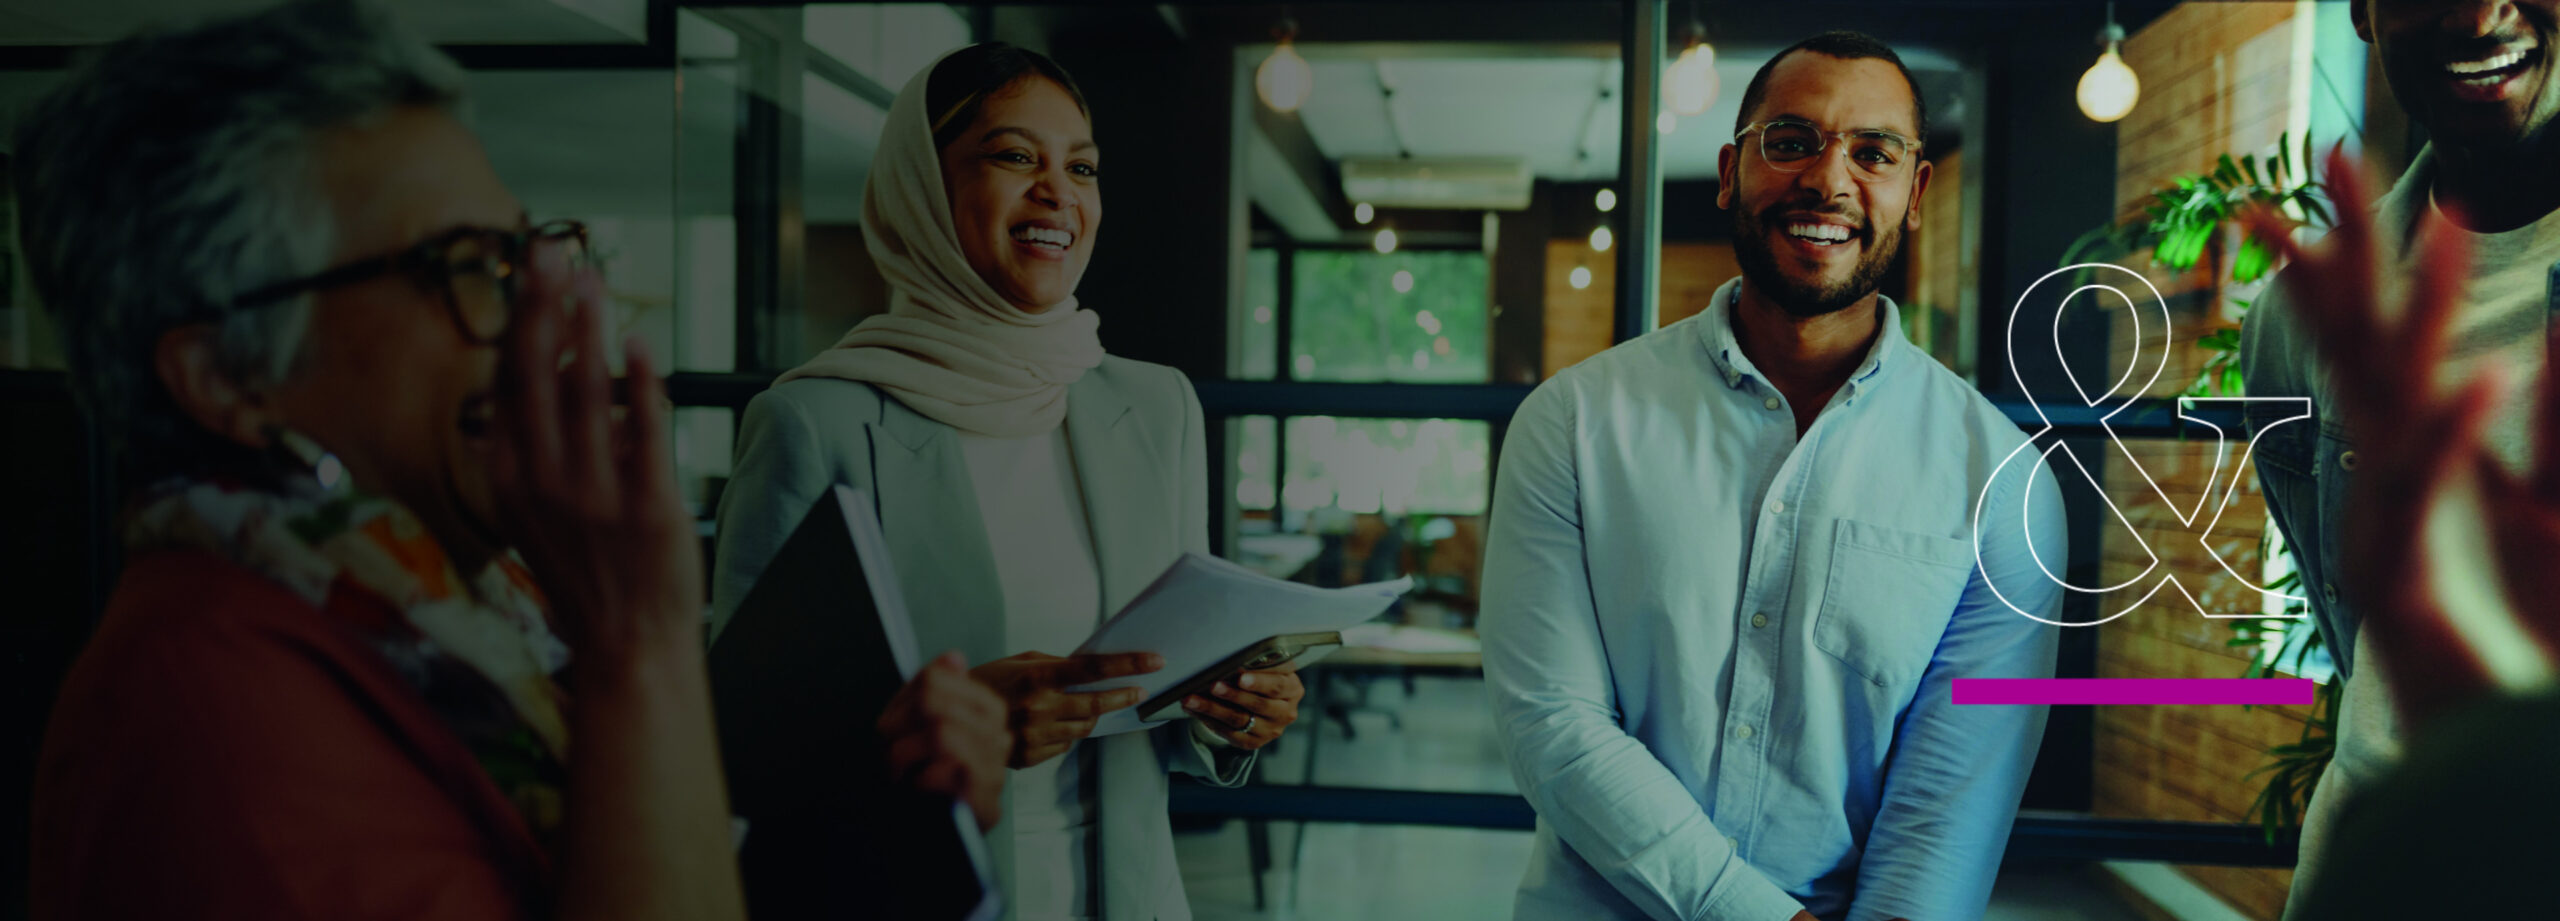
[{"x": 1806, "y": 301}]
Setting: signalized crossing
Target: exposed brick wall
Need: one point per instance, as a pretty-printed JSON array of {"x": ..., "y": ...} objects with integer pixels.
[
  {"x": 2216, "y": 79},
  {"x": 1939, "y": 269},
  {"x": 1578, "y": 322}
]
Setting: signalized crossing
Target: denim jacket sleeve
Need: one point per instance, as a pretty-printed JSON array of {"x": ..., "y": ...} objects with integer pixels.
[{"x": 2302, "y": 466}]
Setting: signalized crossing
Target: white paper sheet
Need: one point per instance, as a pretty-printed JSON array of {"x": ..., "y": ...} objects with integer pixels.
[{"x": 1204, "y": 609}]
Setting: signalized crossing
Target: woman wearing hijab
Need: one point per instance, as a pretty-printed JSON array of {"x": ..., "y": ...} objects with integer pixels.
[{"x": 1027, "y": 482}]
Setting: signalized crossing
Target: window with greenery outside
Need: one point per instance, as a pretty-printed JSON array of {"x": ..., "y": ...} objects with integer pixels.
[{"x": 1407, "y": 317}]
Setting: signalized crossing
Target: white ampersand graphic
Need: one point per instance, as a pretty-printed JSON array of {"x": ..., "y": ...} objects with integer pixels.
[{"x": 2039, "y": 454}]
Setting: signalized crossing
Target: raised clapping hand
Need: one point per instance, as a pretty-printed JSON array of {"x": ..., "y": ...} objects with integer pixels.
[
  {"x": 1251, "y": 709},
  {"x": 1045, "y": 717},
  {"x": 2438, "y": 533},
  {"x": 591, "y": 504}
]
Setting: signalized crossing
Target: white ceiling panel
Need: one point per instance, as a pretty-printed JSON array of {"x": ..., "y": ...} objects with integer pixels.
[
  {"x": 1538, "y": 109},
  {"x": 1345, "y": 112}
]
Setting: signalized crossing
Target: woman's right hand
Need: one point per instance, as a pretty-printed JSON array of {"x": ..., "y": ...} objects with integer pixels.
[
  {"x": 591, "y": 502},
  {"x": 947, "y": 735},
  {"x": 1046, "y": 718},
  {"x": 592, "y": 506}
]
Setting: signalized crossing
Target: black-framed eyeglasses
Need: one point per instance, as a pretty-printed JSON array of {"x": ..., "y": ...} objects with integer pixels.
[
  {"x": 477, "y": 268},
  {"x": 1790, "y": 145}
]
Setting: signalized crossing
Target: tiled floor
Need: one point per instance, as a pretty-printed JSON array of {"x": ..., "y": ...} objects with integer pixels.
[{"x": 1404, "y": 873}]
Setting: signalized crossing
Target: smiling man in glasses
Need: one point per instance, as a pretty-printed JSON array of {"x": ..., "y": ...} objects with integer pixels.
[{"x": 1730, "y": 575}]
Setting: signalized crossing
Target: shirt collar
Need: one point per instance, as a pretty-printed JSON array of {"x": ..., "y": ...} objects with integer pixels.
[
  {"x": 1725, "y": 351},
  {"x": 2399, "y": 209}
]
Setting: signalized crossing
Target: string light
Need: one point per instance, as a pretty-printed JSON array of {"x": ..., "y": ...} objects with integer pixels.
[
  {"x": 1284, "y": 80},
  {"x": 2109, "y": 89},
  {"x": 1689, "y": 84}
]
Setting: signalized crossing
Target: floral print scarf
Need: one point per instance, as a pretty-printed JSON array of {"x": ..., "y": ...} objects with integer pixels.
[{"x": 479, "y": 650}]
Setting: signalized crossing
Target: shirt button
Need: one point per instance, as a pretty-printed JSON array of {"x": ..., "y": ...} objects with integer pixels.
[
  {"x": 2347, "y": 460},
  {"x": 1733, "y": 842},
  {"x": 2329, "y": 592},
  {"x": 1742, "y": 732},
  {"x": 1771, "y": 402},
  {"x": 1759, "y": 620},
  {"x": 1777, "y": 506}
]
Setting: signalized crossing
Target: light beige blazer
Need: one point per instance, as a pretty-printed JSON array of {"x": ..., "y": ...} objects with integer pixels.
[{"x": 1135, "y": 432}]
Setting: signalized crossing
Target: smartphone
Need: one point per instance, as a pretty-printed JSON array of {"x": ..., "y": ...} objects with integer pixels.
[{"x": 1302, "y": 648}]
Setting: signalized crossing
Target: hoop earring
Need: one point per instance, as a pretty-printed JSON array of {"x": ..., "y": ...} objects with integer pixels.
[{"x": 299, "y": 452}]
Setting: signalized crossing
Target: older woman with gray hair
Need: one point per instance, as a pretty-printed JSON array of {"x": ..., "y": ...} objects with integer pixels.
[{"x": 385, "y": 525}]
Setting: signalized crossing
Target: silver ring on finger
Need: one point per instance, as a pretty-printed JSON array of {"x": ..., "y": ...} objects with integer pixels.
[{"x": 1249, "y": 720}]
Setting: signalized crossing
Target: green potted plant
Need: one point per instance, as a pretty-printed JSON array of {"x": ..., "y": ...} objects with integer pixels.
[{"x": 2184, "y": 224}]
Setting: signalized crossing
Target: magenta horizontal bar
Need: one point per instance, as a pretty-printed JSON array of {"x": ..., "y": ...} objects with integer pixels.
[{"x": 2136, "y": 691}]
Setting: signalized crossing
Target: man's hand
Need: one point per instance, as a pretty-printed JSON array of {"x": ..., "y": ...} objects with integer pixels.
[
  {"x": 947, "y": 735},
  {"x": 1045, "y": 717},
  {"x": 1251, "y": 710},
  {"x": 2424, "y": 490}
]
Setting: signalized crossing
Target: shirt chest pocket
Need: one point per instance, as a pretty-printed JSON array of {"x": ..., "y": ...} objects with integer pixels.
[{"x": 1887, "y": 599}]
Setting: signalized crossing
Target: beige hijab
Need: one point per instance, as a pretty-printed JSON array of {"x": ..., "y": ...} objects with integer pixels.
[{"x": 950, "y": 347}]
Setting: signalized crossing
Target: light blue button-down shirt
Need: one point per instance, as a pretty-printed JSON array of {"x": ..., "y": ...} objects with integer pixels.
[{"x": 1720, "y": 656}]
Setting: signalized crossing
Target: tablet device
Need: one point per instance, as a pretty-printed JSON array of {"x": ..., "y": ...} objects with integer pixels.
[{"x": 1271, "y": 653}]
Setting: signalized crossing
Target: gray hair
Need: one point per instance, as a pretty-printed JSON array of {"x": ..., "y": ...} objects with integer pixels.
[{"x": 172, "y": 173}]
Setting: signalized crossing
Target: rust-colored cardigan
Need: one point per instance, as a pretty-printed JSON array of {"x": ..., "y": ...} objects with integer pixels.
[{"x": 225, "y": 750}]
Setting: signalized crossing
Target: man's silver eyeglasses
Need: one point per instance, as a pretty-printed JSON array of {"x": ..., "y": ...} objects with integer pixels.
[{"x": 1791, "y": 145}]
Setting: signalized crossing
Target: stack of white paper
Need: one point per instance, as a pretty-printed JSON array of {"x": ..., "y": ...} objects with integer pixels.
[{"x": 1204, "y": 609}]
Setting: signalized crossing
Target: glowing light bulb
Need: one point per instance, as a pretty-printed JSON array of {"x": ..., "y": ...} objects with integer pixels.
[
  {"x": 1386, "y": 241},
  {"x": 1402, "y": 281},
  {"x": 1601, "y": 238},
  {"x": 1606, "y": 201},
  {"x": 2109, "y": 89},
  {"x": 1689, "y": 84},
  {"x": 1284, "y": 79},
  {"x": 1362, "y": 212},
  {"x": 1581, "y": 277}
]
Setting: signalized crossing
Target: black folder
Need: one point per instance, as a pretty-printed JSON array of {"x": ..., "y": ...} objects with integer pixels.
[{"x": 799, "y": 679}]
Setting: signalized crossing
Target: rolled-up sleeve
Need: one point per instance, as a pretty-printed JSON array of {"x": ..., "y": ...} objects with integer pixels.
[
  {"x": 1598, "y": 789},
  {"x": 1953, "y": 783}
]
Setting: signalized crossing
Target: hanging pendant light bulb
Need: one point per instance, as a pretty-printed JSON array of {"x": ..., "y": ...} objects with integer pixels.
[
  {"x": 1689, "y": 84},
  {"x": 1284, "y": 80},
  {"x": 2109, "y": 89}
]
